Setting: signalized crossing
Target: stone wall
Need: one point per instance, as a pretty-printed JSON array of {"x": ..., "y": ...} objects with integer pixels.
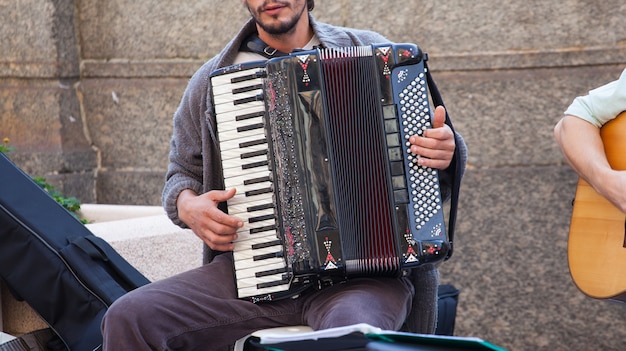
[{"x": 88, "y": 89}]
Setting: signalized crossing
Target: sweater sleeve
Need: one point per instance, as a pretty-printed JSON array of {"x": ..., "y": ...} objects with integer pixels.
[
  {"x": 192, "y": 160},
  {"x": 185, "y": 169}
]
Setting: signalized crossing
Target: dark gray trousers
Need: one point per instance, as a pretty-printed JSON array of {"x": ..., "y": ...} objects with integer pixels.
[{"x": 197, "y": 310}]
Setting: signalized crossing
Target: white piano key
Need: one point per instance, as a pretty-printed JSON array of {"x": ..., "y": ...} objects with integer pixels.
[
  {"x": 235, "y": 208},
  {"x": 233, "y": 91},
  {"x": 245, "y": 266},
  {"x": 245, "y": 241},
  {"x": 226, "y": 79},
  {"x": 252, "y": 283},
  {"x": 253, "y": 291},
  {"x": 241, "y": 113},
  {"x": 225, "y": 123},
  {"x": 264, "y": 207},
  {"x": 253, "y": 163},
  {"x": 246, "y": 229},
  {"x": 245, "y": 260},
  {"x": 235, "y": 144},
  {"x": 243, "y": 191},
  {"x": 246, "y": 216},
  {"x": 241, "y": 119},
  {"x": 251, "y": 240},
  {"x": 236, "y": 153},
  {"x": 247, "y": 193},
  {"x": 240, "y": 198},
  {"x": 236, "y": 129},
  {"x": 227, "y": 89},
  {"x": 250, "y": 272},
  {"x": 250, "y": 254},
  {"x": 236, "y": 178},
  {"x": 231, "y": 98},
  {"x": 253, "y": 231},
  {"x": 226, "y": 135},
  {"x": 230, "y": 106},
  {"x": 262, "y": 229}
]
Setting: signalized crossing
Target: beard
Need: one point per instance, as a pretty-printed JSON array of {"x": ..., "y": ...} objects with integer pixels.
[{"x": 277, "y": 28}]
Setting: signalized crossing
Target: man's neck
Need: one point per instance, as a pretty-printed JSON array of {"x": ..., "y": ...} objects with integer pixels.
[{"x": 297, "y": 38}]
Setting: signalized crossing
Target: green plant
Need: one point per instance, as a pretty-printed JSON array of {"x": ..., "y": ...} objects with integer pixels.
[
  {"x": 70, "y": 203},
  {"x": 4, "y": 147}
]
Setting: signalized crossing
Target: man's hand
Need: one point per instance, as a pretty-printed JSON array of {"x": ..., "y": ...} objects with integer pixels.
[
  {"x": 436, "y": 148},
  {"x": 200, "y": 212}
]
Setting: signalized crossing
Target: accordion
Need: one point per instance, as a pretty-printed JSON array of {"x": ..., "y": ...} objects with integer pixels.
[{"x": 316, "y": 144}]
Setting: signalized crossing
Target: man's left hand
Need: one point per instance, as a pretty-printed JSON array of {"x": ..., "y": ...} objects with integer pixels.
[{"x": 435, "y": 148}]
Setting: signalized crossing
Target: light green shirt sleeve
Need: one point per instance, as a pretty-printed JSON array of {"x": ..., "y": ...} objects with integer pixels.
[{"x": 601, "y": 104}]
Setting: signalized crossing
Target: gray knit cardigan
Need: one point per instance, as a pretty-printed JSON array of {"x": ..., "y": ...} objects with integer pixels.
[{"x": 195, "y": 163}]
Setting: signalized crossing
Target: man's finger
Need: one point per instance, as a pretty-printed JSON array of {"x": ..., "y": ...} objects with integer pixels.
[
  {"x": 439, "y": 119},
  {"x": 222, "y": 195}
]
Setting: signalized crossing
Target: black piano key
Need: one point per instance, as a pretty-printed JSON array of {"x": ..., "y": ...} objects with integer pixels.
[
  {"x": 246, "y": 100},
  {"x": 258, "y": 192},
  {"x": 255, "y": 75},
  {"x": 266, "y": 244},
  {"x": 270, "y": 272},
  {"x": 250, "y": 127},
  {"x": 253, "y": 143},
  {"x": 262, "y": 229},
  {"x": 260, "y": 218},
  {"x": 248, "y": 88},
  {"x": 272, "y": 284},
  {"x": 257, "y": 180},
  {"x": 260, "y": 207},
  {"x": 250, "y": 115},
  {"x": 255, "y": 164},
  {"x": 253, "y": 154},
  {"x": 266, "y": 256}
]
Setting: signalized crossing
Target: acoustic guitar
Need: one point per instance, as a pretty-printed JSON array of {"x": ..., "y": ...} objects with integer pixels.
[{"x": 597, "y": 238}]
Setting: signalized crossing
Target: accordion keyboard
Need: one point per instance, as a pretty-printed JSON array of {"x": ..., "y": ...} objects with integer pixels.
[{"x": 239, "y": 111}]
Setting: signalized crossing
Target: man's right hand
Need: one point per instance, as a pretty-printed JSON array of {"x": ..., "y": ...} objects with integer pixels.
[{"x": 200, "y": 212}]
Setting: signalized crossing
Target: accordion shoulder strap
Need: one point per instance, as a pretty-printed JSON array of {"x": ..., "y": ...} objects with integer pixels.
[
  {"x": 254, "y": 44},
  {"x": 456, "y": 166}
]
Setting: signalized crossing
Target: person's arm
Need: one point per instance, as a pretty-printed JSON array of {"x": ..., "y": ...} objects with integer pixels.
[
  {"x": 185, "y": 168},
  {"x": 583, "y": 149}
]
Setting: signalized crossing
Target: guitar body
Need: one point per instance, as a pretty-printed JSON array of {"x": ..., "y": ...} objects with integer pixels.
[{"x": 597, "y": 238}]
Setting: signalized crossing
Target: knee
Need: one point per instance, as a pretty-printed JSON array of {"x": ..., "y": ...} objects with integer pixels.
[
  {"x": 377, "y": 302},
  {"x": 124, "y": 314},
  {"x": 342, "y": 317}
]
